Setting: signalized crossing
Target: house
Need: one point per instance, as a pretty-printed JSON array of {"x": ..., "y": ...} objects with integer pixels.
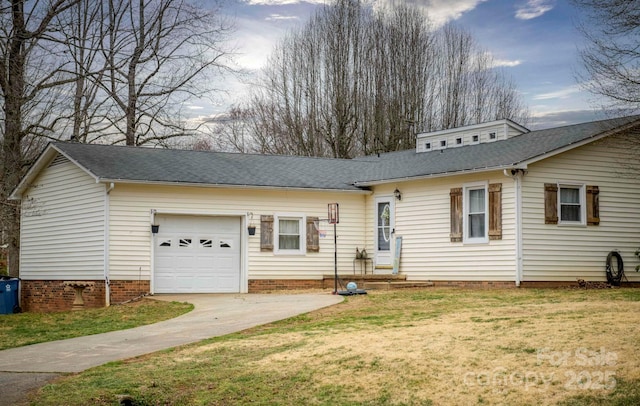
[{"x": 491, "y": 204}]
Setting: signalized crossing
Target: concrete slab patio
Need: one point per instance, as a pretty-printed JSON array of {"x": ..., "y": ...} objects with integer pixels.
[{"x": 213, "y": 315}]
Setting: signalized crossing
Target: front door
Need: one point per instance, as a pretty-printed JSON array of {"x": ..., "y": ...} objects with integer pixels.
[{"x": 384, "y": 228}]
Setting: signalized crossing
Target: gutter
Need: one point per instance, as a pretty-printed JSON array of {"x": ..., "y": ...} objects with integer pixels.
[
  {"x": 233, "y": 186},
  {"x": 439, "y": 175}
]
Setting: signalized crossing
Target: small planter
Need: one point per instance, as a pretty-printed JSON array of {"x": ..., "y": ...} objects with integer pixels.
[{"x": 252, "y": 230}]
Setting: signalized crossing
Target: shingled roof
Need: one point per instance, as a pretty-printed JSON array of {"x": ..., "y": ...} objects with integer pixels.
[
  {"x": 108, "y": 163},
  {"x": 169, "y": 166},
  {"x": 514, "y": 152}
]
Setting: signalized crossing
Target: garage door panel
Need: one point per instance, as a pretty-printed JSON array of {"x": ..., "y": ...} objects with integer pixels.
[{"x": 197, "y": 254}]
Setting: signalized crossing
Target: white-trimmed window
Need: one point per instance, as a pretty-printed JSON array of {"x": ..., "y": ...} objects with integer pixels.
[
  {"x": 289, "y": 230},
  {"x": 475, "y": 215},
  {"x": 571, "y": 204}
]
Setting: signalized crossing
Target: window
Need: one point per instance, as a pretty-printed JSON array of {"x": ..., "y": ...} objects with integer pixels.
[
  {"x": 289, "y": 232},
  {"x": 459, "y": 141},
  {"x": 571, "y": 204},
  {"x": 427, "y": 146},
  {"x": 443, "y": 143},
  {"x": 475, "y": 138},
  {"x": 270, "y": 226},
  {"x": 492, "y": 136},
  {"x": 475, "y": 218},
  {"x": 571, "y": 207}
]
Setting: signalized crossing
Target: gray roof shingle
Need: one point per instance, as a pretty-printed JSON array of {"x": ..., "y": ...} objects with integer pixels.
[
  {"x": 135, "y": 164},
  {"x": 119, "y": 163},
  {"x": 493, "y": 155}
]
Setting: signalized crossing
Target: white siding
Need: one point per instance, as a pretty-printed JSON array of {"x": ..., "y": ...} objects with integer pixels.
[
  {"x": 130, "y": 236},
  {"x": 423, "y": 221},
  {"x": 566, "y": 253},
  {"x": 62, "y": 226}
]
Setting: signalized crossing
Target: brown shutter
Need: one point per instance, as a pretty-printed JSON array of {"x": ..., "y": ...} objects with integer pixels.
[
  {"x": 593, "y": 205},
  {"x": 266, "y": 233},
  {"x": 495, "y": 211},
  {"x": 313, "y": 236},
  {"x": 456, "y": 214},
  {"x": 550, "y": 203}
]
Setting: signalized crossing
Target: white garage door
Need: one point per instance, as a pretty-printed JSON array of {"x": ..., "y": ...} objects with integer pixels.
[{"x": 197, "y": 254}]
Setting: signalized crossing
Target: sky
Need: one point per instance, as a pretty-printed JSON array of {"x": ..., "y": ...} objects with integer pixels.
[{"x": 535, "y": 42}]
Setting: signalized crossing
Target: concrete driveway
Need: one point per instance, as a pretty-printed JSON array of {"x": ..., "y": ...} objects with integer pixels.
[{"x": 213, "y": 315}]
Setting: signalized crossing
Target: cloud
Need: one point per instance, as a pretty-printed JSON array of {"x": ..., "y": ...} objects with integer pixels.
[
  {"x": 559, "y": 94},
  {"x": 506, "y": 63},
  {"x": 276, "y": 17},
  {"x": 542, "y": 120},
  {"x": 281, "y": 2},
  {"x": 440, "y": 11},
  {"x": 533, "y": 9}
]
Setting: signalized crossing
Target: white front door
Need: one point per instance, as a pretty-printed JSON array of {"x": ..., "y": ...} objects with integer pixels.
[
  {"x": 384, "y": 227},
  {"x": 197, "y": 254}
]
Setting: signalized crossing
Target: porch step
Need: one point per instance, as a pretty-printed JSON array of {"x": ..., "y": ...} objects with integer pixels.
[
  {"x": 361, "y": 279},
  {"x": 369, "y": 277},
  {"x": 375, "y": 281},
  {"x": 391, "y": 285}
]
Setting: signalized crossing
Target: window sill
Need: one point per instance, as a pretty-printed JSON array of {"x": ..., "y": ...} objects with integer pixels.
[
  {"x": 569, "y": 224},
  {"x": 476, "y": 241},
  {"x": 289, "y": 253}
]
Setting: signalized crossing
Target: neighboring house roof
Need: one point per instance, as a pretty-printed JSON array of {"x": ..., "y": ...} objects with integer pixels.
[{"x": 106, "y": 163}]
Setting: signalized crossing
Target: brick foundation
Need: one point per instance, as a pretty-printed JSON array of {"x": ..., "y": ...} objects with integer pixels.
[
  {"x": 569, "y": 284},
  {"x": 121, "y": 291},
  {"x": 475, "y": 284},
  {"x": 263, "y": 285},
  {"x": 53, "y": 296}
]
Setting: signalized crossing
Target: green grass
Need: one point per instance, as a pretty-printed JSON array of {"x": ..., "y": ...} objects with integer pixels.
[
  {"x": 347, "y": 354},
  {"x": 21, "y": 329}
]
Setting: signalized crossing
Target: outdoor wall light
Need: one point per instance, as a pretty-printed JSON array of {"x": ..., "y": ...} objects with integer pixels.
[
  {"x": 155, "y": 228},
  {"x": 397, "y": 194}
]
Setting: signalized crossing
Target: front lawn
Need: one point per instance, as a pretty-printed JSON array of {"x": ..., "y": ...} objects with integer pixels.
[
  {"x": 21, "y": 329},
  {"x": 432, "y": 346}
]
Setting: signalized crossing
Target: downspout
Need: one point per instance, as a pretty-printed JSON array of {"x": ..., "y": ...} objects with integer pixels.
[
  {"x": 516, "y": 175},
  {"x": 152, "y": 271},
  {"x": 107, "y": 285}
]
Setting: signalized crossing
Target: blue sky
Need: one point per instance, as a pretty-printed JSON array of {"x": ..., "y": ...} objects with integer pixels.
[{"x": 534, "y": 40}]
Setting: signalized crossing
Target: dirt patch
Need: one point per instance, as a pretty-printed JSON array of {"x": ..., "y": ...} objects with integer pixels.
[{"x": 15, "y": 386}]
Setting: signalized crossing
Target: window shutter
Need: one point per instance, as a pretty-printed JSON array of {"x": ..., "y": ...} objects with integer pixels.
[
  {"x": 550, "y": 203},
  {"x": 313, "y": 236},
  {"x": 495, "y": 211},
  {"x": 593, "y": 205},
  {"x": 266, "y": 233},
  {"x": 456, "y": 214}
]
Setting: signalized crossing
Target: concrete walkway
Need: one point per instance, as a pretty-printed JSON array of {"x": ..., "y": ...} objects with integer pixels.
[{"x": 213, "y": 315}]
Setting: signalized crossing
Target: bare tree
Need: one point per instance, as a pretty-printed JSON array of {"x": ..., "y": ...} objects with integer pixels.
[
  {"x": 353, "y": 81},
  {"x": 159, "y": 54},
  {"x": 29, "y": 73},
  {"x": 611, "y": 58}
]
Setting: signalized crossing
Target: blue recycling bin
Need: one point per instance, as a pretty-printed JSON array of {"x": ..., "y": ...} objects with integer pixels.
[{"x": 9, "y": 295}]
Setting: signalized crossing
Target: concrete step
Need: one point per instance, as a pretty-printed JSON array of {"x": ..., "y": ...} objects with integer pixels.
[
  {"x": 391, "y": 285},
  {"x": 366, "y": 277}
]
